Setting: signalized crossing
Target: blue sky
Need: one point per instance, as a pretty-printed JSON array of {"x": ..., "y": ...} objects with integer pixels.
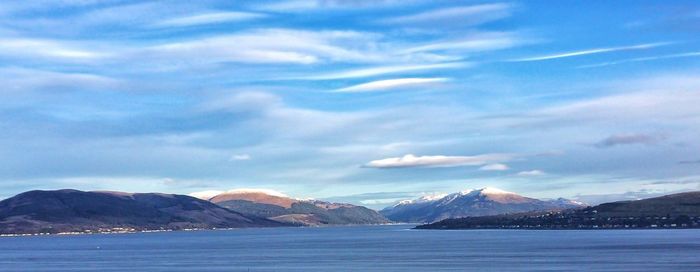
[{"x": 360, "y": 101}]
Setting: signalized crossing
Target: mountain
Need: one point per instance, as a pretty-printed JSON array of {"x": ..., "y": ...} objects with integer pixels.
[
  {"x": 78, "y": 211},
  {"x": 278, "y": 207},
  {"x": 670, "y": 211},
  {"x": 671, "y": 205},
  {"x": 481, "y": 202}
]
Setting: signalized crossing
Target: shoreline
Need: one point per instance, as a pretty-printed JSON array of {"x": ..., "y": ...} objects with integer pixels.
[
  {"x": 135, "y": 231},
  {"x": 131, "y": 231}
]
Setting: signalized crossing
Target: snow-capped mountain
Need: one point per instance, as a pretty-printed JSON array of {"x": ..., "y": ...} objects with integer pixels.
[{"x": 479, "y": 202}]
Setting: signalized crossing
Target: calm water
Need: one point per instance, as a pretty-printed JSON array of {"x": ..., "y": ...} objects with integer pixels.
[{"x": 375, "y": 248}]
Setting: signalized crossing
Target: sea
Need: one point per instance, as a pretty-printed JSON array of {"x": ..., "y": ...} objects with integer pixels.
[{"x": 358, "y": 248}]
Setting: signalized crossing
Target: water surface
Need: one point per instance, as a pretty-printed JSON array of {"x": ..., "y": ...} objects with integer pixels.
[{"x": 358, "y": 248}]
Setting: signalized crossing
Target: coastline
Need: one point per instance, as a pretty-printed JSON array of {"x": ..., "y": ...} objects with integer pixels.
[{"x": 135, "y": 231}]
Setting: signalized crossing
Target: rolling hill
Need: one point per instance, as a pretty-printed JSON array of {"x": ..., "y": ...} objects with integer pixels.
[
  {"x": 77, "y": 211},
  {"x": 274, "y": 206}
]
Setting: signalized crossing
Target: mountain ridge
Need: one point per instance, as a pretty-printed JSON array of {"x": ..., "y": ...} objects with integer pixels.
[
  {"x": 475, "y": 202},
  {"x": 307, "y": 212},
  {"x": 69, "y": 210},
  {"x": 681, "y": 210}
]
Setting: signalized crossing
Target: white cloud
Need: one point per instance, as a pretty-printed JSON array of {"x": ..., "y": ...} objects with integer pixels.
[
  {"x": 276, "y": 46},
  {"x": 477, "y": 42},
  {"x": 387, "y": 84},
  {"x": 325, "y": 5},
  {"x": 593, "y": 51},
  {"x": 494, "y": 167},
  {"x": 411, "y": 160},
  {"x": 243, "y": 101},
  {"x": 240, "y": 157},
  {"x": 464, "y": 15},
  {"x": 208, "y": 18},
  {"x": 662, "y": 102},
  {"x": 531, "y": 173},
  {"x": 21, "y": 47},
  {"x": 669, "y": 104},
  {"x": 272, "y": 117},
  {"x": 383, "y": 70},
  {"x": 292, "y": 5},
  {"x": 21, "y": 79}
]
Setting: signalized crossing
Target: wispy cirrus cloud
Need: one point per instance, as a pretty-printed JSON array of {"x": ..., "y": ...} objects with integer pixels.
[
  {"x": 209, "y": 18},
  {"x": 312, "y": 5},
  {"x": 48, "y": 49},
  {"x": 275, "y": 46},
  {"x": 670, "y": 102},
  {"x": 479, "y": 42},
  {"x": 385, "y": 70},
  {"x": 461, "y": 15},
  {"x": 411, "y": 160},
  {"x": 592, "y": 51},
  {"x": 388, "y": 84},
  {"x": 644, "y": 59},
  {"x": 23, "y": 79}
]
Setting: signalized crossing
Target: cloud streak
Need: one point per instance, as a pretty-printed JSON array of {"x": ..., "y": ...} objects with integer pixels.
[
  {"x": 43, "y": 48},
  {"x": 476, "y": 42},
  {"x": 410, "y": 160},
  {"x": 385, "y": 70},
  {"x": 287, "y": 6},
  {"x": 209, "y": 18},
  {"x": 26, "y": 80},
  {"x": 464, "y": 15},
  {"x": 388, "y": 84},
  {"x": 592, "y": 51},
  {"x": 277, "y": 46},
  {"x": 644, "y": 59},
  {"x": 531, "y": 173}
]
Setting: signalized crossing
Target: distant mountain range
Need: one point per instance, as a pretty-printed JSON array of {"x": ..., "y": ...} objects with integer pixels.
[
  {"x": 101, "y": 211},
  {"x": 480, "y": 202},
  {"x": 78, "y": 211},
  {"x": 278, "y": 207},
  {"x": 670, "y": 211}
]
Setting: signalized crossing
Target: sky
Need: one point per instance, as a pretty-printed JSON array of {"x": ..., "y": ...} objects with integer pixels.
[{"x": 367, "y": 102}]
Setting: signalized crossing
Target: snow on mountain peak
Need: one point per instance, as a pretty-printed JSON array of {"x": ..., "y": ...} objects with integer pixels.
[
  {"x": 565, "y": 201},
  {"x": 422, "y": 199},
  {"x": 447, "y": 198},
  {"x": 431, "y": 197},
  {"x": 466, "y": 192}
]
